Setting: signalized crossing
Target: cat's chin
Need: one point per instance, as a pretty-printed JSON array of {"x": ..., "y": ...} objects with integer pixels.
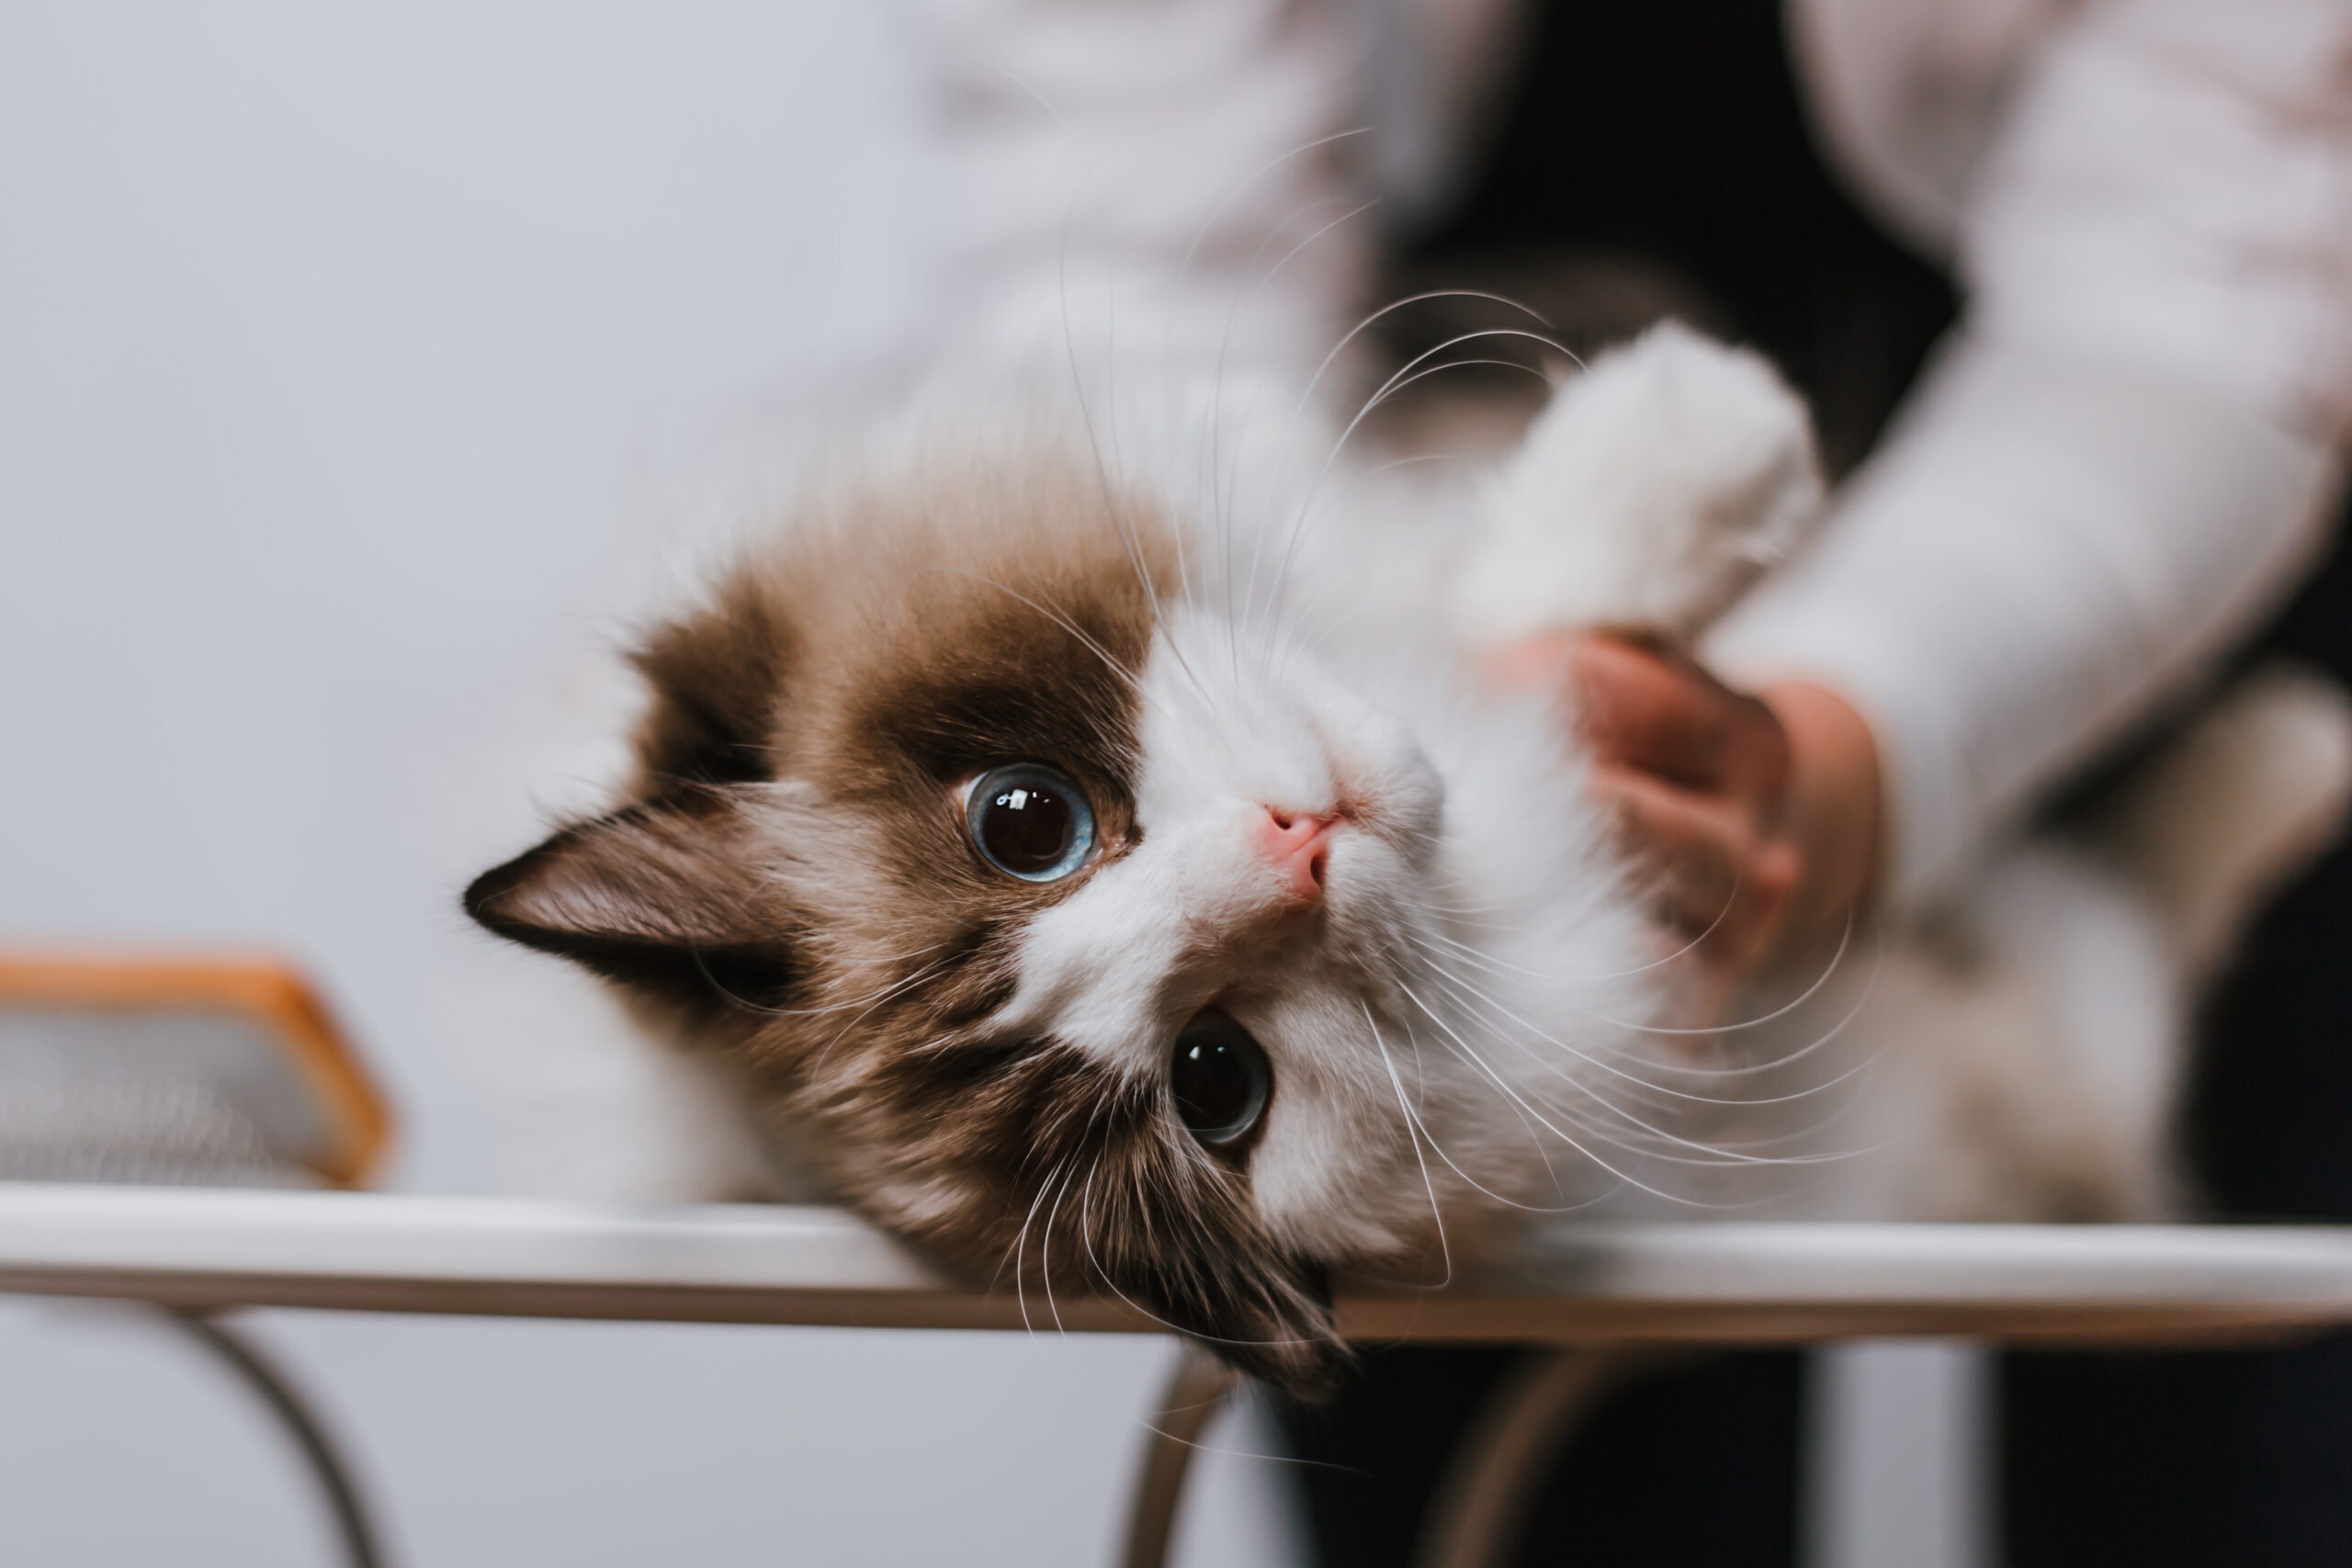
[{"x": 1289, "y": 1342}]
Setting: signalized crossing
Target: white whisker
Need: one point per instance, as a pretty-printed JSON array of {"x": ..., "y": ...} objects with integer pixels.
[
  {"x": 1413, "y": 1132},
  {"x": 1782, "y": 1011},
  {"x": 1463, "y": 1049}
]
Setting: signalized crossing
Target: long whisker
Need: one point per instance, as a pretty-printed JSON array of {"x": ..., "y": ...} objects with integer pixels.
[
  {"x": 1386, "y": 388},
  {"x": 1475, "y": 1185},
  {"x": 1488, "y": 960},
  {"x": 1086, "y": 1239},
  {"x": 1046, "y": 1249},
  {"x": 1306, "y": 393},
  {"x": 1413, "y": 1132},
  {"x": 1393, "y": 305},
  {"x": 1869, "y": 984},
  {"x": 1464, "y": 991},
  {"x": 1718, "y": 1152},
  {"x": 1469, "y": 1054},
  {"x": 1844, "y": 940},
  {"x": 1021, "y": 1246}
]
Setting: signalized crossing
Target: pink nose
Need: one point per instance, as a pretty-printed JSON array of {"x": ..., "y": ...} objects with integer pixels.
[{"x": 1299, "y": 844}]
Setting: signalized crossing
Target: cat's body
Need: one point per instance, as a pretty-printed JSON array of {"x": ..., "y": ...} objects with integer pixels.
[{"x": 1082, "y": 841}]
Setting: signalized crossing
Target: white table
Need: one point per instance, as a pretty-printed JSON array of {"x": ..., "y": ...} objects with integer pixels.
[{"x": 1606, "y": 1295}]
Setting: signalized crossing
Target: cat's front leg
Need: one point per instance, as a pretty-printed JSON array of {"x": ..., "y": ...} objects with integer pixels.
[{"x": 1655, "y": 487}]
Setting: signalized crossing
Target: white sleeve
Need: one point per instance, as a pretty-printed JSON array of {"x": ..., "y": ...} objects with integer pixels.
[
  {"x": 1185, "y": 165},
  {"x": 2125, "y": 454}
]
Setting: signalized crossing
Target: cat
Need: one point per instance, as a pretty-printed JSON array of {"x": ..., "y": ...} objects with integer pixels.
[{"x": 1083, "y": 841}]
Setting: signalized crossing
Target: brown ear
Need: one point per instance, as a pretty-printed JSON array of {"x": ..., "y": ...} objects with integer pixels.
[{"x": 666, "y": 895}]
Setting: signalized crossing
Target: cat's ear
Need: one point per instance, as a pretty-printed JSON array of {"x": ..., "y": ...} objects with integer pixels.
[{"x": 666, "y": 894}]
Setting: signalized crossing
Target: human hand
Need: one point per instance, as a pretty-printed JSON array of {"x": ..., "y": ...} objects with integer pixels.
[{"x": 1759, "y": 813}]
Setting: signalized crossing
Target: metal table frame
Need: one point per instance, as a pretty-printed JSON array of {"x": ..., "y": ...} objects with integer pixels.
[{"x": 1603, "y": 1298}]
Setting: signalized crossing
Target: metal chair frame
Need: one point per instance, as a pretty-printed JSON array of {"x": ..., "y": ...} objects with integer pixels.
[{"x": 1604, "y": 1301}]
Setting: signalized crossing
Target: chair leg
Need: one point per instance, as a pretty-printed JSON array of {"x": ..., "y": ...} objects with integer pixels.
[
  {"x": 1482, "y": 1499},
  {"x": 1196, "y": 1391},
  {"x": 329, "y": 1468}
]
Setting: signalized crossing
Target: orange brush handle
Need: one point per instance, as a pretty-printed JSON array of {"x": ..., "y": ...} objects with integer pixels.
[{"x": 270, "y": 992}]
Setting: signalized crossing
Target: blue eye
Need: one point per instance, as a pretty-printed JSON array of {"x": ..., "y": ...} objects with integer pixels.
[{"x": 1030, "y": 821}]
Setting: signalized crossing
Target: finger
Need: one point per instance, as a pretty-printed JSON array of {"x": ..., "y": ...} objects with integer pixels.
[
  {"x": 1695, "y": 847},
  {"x": 1717, "y": 881},
  {"x": 1766, "y": 895},
  {"x": 1658, "y": 711}
]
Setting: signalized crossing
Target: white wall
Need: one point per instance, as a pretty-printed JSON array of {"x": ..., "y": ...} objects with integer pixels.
[{"x": 356, "y": 366}]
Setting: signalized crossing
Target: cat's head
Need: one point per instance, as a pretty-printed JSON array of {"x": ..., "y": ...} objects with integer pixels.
[{"x": 1072, "y": 918}]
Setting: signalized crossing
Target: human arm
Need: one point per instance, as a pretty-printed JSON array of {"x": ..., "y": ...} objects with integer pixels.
[{"x": 2124, "y": 457}]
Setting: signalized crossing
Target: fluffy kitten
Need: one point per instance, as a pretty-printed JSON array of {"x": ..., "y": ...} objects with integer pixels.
[{"x": 1078, "y": 838}]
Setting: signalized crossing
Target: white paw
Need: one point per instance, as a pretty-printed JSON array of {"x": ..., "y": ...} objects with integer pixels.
[{"x": 1653, "y": 490}]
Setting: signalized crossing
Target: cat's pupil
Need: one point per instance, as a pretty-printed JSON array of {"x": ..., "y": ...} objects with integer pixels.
[
  {"x": 1028, "y": 828},
  {"x": 1220, "y": 1078}
]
